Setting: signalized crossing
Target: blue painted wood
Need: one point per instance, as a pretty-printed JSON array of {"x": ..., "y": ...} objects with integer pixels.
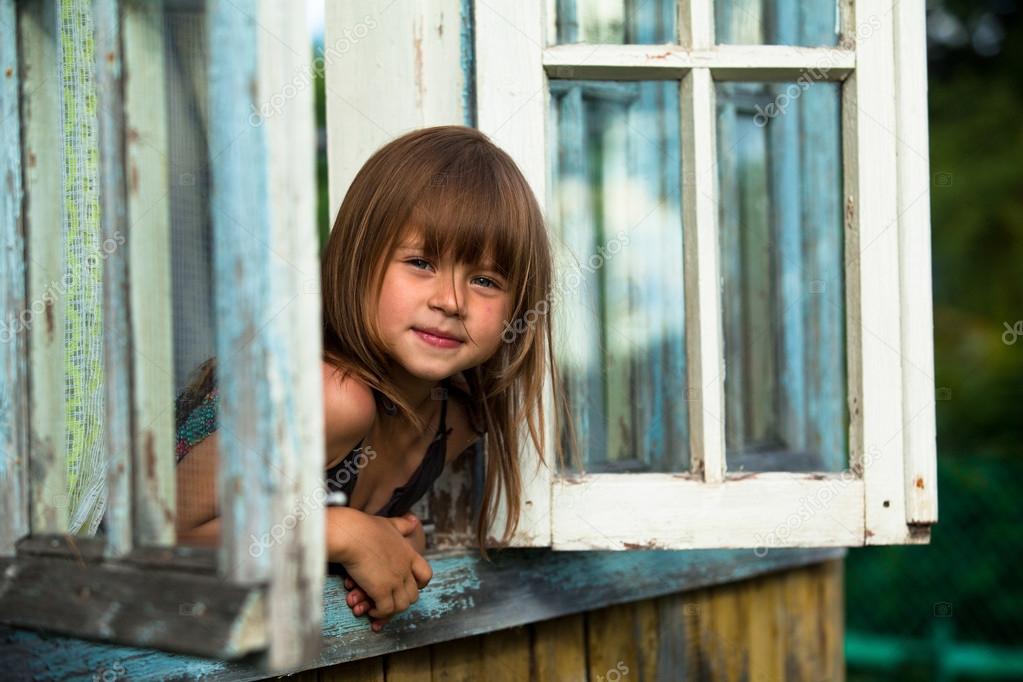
[
  {"x": 117, "y": 338},
  {"x": 242, "y": 279},
  {"x": 467, "y": 596},
  {"x": 467, "y": 60},
  {"x": 14, "y": 495}
]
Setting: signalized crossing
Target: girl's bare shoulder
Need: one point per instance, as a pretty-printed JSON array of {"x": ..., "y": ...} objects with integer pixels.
[{"x": 349, "y": 408}]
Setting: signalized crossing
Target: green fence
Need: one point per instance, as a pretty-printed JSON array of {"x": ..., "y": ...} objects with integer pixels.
[{"x": 953, "y": 609}]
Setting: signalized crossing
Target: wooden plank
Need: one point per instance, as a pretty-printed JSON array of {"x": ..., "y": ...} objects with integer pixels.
[
  {"x": 293, "y": 376},
  {"x": 872, "y": 275},
  {"x": 559, "y": 649},
  {"x": 799, "y": 623},
  {"x": 459, "y": 660},
  {"x": 762, "y": 602},
  {"x": 466, "y": 597},
  {"x": 366, "y": 670},
  {"x": 242, "y": 289},
  {"x": 704, "y": 343},
  {"x": 672, "y": 62},
  {"x": 727, "y": 634},
  {"x": 671, "y": 631},
  {"x": 647, "y": 636},
  {"x": 409, "y": 666},
  {"x": 611, "y": 644},
  {"x": 268, "y": 346},
  {"x": 91, "y": 550},
  {"x": 47, "y": 446},
  {"x": 150, "y": 276},
  {"x": 832, "y": 607},
  {"x": 916, "y": 314},
  {"x": 14, "y": 465},
  {"x": 506, "y": 655},
  {"x": 416, "y": 54},
  {"x": 675, "y": 512},
  {"x": 118, "y": 340},
  {"x": 512, "y": 101},
  {"x": 190, "y": 613}
]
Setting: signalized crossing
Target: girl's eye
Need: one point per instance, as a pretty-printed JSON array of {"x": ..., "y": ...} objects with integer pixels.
[
  {"x": 491, "y": 284},
  {"x": 413, "y": 261}
]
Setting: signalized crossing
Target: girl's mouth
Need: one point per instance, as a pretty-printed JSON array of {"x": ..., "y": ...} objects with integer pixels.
[{"x": 436, "y": 340}]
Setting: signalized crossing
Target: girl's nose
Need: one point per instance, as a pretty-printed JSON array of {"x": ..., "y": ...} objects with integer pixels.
[{"x": 447, "y": 296}]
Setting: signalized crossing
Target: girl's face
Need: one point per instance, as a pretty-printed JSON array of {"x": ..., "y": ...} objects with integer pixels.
[{"x": 448, "y": 298}]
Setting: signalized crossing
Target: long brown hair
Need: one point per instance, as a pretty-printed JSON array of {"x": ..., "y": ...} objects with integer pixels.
[{"x": 467, "y": 198}]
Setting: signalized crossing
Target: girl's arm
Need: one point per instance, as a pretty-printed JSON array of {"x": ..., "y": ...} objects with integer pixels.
[{"x": 204, "y": 535}]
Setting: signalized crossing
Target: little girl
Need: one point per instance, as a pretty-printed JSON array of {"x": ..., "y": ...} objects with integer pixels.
[{"x": 438, "y": 252}]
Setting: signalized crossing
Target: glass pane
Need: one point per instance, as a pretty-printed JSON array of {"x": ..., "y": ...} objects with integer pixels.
[
  {"x": 776, "y": 22},
  {"x": 780, "y": 172},
  {"x": 613, "y": 21},
  {"x": 616, "y": 207}
]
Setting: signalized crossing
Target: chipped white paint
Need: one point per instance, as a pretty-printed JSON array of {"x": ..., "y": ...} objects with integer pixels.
[
  {"x": 665, "y": 511},
  {"x": 512, "y": 97},
  {"x": 726, "y": 62},
  {"x": 43, "y": 228},
  {"x": 390, "y": 67},
  {"x": 150, "y": 286},
  {"x": 914, "y": 176}
]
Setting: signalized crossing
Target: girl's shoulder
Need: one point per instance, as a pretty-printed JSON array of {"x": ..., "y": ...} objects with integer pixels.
[{"x": 349, "y": 407}]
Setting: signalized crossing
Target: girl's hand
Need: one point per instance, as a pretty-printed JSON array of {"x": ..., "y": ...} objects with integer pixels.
[
  {"x": 357, "y": 598},
  {"x": 378, "y": 557}
]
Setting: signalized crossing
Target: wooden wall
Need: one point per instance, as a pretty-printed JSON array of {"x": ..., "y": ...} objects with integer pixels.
[{"x": 786, "y": 626}]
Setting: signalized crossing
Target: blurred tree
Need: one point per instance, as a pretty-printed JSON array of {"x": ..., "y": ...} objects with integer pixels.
[{"x": 976, "y": 66}]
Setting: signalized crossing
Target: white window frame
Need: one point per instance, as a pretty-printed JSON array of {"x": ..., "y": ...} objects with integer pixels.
[{"x": 889, "y": 493}]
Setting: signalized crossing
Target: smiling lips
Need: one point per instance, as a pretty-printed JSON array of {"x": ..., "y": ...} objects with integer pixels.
[{"x": 437, "y": 338}]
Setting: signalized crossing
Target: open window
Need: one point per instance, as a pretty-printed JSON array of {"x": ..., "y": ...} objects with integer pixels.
[{"x": 738, "y": 193}]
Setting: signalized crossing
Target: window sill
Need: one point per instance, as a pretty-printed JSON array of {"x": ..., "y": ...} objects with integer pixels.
[{"x": 467, "y": 596}]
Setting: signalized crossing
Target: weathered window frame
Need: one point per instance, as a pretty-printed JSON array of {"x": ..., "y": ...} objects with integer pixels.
[
  {"x": 888, "y": 495},
  {"x": 132, "y": 584}
]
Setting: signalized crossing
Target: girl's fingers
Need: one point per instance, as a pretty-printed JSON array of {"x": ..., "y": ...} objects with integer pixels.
[
  {"x": 355, "y": 596},
  {"x": 349, "y": 583}
]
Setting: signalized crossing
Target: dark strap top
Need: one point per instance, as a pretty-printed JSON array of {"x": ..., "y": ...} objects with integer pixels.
[
  {"x": 197, "y": 423},
  {"x": 342, "y": 476}
]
